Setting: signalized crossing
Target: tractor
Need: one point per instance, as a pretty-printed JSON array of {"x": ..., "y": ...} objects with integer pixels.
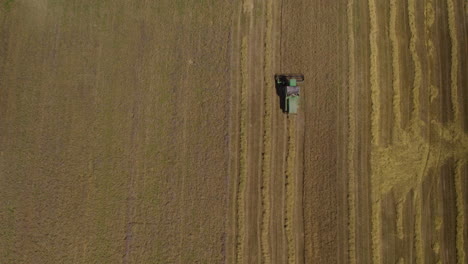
[{"x": 289, "y": 91}]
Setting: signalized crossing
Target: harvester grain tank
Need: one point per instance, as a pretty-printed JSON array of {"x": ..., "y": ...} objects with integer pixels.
[{"x": 288, "y": 83}]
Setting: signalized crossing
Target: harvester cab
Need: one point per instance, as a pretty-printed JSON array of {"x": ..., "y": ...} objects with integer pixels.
[{"x": 290, "y": 90}]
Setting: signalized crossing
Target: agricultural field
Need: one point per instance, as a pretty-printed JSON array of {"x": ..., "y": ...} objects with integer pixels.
[{"x": 151, "y": 132}]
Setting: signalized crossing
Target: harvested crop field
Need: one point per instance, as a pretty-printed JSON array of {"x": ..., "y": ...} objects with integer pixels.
[{"x": 151, "y": 132}]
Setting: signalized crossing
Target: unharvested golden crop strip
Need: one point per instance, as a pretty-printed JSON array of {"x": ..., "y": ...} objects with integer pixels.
[
  {"x": 243, "y": 154},
  {"x": 416, "y": 111},
  {"x": 376, "y": 120},
  {"x": 267, "y": 138}
]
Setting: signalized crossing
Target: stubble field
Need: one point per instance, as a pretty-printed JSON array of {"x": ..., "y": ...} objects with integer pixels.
[{"x": 151, "y": 132}]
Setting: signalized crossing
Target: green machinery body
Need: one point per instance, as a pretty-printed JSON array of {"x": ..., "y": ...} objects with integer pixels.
[{"x": 288, "y": 83}]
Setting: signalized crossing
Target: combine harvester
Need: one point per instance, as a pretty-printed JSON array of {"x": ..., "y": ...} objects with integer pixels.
[{"x": 288, "y": 84}]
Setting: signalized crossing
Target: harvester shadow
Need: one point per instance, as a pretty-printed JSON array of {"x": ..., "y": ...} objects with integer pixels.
[{"x": 280, "y": 92}]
